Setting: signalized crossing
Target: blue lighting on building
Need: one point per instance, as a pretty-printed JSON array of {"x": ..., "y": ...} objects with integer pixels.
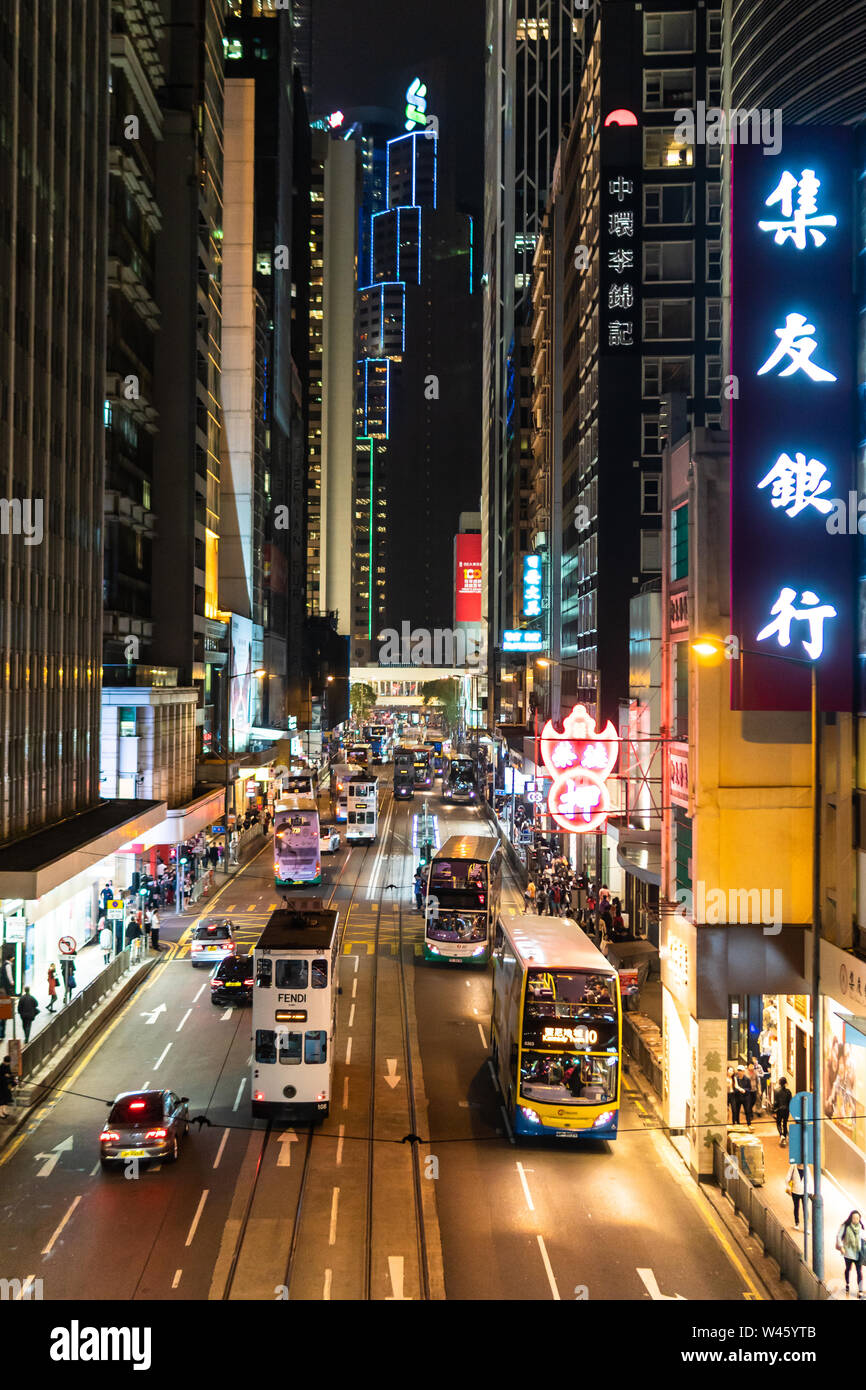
[{"x": 471, "y": 237}]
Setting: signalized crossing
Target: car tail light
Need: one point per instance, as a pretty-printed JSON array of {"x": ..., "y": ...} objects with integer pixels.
[
  {"x": 108, "y": 1136},
  {"x": 216, "y": 984},
  {"x": 249, "y": 981},
  {"x": 258, "y": 1095},
  {"x": 156, "y": 1134},
  {"x": 136, "y": 1105}
]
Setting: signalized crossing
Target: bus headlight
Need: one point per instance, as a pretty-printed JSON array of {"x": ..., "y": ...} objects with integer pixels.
[
  {"x": 530, "y": 1115},
  {"x": 479, "y": 951},
  {"x": 603, "y": 1119}
]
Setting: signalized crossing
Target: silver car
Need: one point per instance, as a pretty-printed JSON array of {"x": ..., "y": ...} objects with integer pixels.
[{"x": 144, "y": 1125}]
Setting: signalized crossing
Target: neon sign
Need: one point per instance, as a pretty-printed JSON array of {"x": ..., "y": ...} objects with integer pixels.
[
  {"x": 580, "y": 1037},
  {"x": 580, "y": 760},
  {"x": 532, "y": 586},
  {"x": 416, "y": 104}
]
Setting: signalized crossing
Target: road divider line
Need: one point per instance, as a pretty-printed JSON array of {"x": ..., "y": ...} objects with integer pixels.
[
  {"x": 352, "y": 1016},
  {"x": 345, "y": 1092},
  {"x": 50, "y": 1246},
  {"x": 199, "y": 992},
  {"x": 195, "y": 1220},
  {"x": 354, "y": 988},
  {"x": 348, "y": 1052},
  {"x": 176, "y": 1280},
  {"x": 223, "y": 1142},
  {"x": 239, "y": 1094},
  {"x": 183, "y": 1020},
  {"x": 483, "y": 1039},
  {"x": 332, "y": 1230},
  {"x": 527, "y": 1194},
  {"x": 162, "y": 1057},
  {"x": 342, "y": 1131},
  {"x": 548, "y": 1270},
  {"x": 326, "y": 1291}
]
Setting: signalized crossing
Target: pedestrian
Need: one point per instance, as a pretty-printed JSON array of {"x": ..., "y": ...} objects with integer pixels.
[
  {"x": 756, "y": 1076},
  {"x": 541, "y": 901},
  {"x": 555, "y": 898},
  {"x": 739, "y": 1094},
  {"x": 27, "y": 1011},
  {"x": 782, "y": 1108},
  {"x": 52, "y": 987},
  {"x": 67, "y": 970},
  {"x": 419, "y": 890},
  {"x": 7, "y": 1081},
  {"x": 106, "y": 941},
  {"x": 133, "y": 938},
  {"x": 530, "y": 889},
  {"x": 731, "y": 1094},
  {"x": 849, "y": 1243},
  {"x": 154, "y": 930},
  {"x": 794, "y": 1183}
]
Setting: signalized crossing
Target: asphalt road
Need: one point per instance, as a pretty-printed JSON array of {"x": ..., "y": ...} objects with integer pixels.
[{"x": 363, "y": 1209}]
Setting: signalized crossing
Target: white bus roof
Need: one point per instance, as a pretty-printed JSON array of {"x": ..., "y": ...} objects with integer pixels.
[
  {"x": 296, "y": 803},
  {"x": 556, "y": 942}
]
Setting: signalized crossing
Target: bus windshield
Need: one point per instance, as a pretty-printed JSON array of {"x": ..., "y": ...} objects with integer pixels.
[
  {"x": 459, "y": 882},
  {"x": 567, "y": 1015}
]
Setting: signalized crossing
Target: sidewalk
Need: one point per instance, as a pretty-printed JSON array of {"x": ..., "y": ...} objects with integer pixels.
[{"x": 88, "y": 965}]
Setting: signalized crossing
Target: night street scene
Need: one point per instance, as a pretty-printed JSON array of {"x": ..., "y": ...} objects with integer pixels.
[{"x": 433, "y": 564}]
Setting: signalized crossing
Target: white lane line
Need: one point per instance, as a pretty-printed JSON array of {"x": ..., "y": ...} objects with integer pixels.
[
  {"x": 95, "y": 1169},
  {"x": 348, "y": 1052},
  {"x": 483, "y": 1039},
  {"x": 527, "y": 1194},
  {"x": 176, "y": 1280},
  {"x": 24, "y": 1287},
  {"x": 345, "y": 1092},
  {"x": 183, "y": 1020},
  {"x": 550, "y": 1279},
  {"x": 332, "y": 1231},
  {"x": 223, "y": 1142},
  {"x": 355, "y": 967},
  {"x": 326, "y": 1291},
  {"x": 200, "y": 992},
  {"x": 354, "y": 988},
  {"x": 50, "y": 1246},
  {"x": 342, "y": 1131},
  {"x": 195, "y": 1220},
  {"x": 239, "y": 1094},
  {"x": 161, "y": 1059},
  {"x": 352, "y": 1016}
]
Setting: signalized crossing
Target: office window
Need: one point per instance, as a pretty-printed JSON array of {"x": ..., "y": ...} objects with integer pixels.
[
  {"x": 714, "y": 260},
  {"x": 661, "y": 150},
  {"x": 714, "y": 202},
  {"x": 651, "y": 551},
  {"x": 671, "y": 206},
  {"x": 680, "y": 545},
  {"x": 669, "y": 33},
  {"x": 669, "y": 260},
  {"x": 714, "y": 86},
  {"x": 664, "y": 374},
  {"x": 651, "y": 494},
  {"x": 668, "y": 318},
  {"x": 650, "y": 435},
  {"x": 714, "y": 318},
  {"x": 665, "y": 89},
  {"x": 714, "y": 375},
  {"x": 714, "y": 30}
]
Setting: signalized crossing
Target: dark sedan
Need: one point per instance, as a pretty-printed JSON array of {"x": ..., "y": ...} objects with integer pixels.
[
  {"x": 232, "y": 981},
  {"x": 144, "y": 1125}
]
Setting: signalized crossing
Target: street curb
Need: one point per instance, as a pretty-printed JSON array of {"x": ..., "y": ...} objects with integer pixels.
[
  {"x": 765, "y": 1273},
  {"x": 74, "y": 1045}
]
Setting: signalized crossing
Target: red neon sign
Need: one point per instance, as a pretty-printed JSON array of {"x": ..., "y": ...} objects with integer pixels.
[{"x": 580, "y": 760}]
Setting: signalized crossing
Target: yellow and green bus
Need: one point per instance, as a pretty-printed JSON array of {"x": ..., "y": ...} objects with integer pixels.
[{"x": 556, "y": 1031}]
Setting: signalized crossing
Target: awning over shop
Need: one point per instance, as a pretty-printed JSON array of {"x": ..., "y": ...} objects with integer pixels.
[
  {"x": 33, "y": 865},
  {"x": 638, "y": 852},
  {"x": 182, "y": 822}
]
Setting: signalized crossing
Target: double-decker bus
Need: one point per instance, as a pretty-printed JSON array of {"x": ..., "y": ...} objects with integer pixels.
[
  {"x": 460, "y": 779},
  {"x": 299, "y": 782},
  {"x": 340, "y": 774},
  {"x": 556, "y": 1032},
  {"x": 297, "y": 858},
  {"x": 422, "y": 757},
  {"x": 362, "y": 791},
  {"x": 360, "y": 753},
  {"x": 404, "y": 772},
  {"x": 294, "y": 1014},
  {"x": 464, "y": 885}
]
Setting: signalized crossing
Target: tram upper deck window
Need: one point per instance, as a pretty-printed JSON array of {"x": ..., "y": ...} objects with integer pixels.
[
  {"x": 292, "y": 974},
  {"x": 264, "y": 971},
  {"x": 319, "y": 974},
  {"x": 266, "y": 1045}
]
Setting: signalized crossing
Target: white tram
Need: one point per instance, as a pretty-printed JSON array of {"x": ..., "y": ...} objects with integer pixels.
[
  {"x": 362, "y": 823},
  {"x": 295, "y": 1014}
]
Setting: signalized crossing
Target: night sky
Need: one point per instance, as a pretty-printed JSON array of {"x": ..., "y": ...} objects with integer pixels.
[{"x": 366, "y": 52}]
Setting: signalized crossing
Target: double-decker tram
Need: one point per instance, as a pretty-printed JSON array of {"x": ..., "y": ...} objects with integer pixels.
[
  {"x": 460, "y": 779},
  {"x": 294, "y": 1014},
  {"x": 362, "y": 824},
  {"x": 464, "y": 885},
  {"x": 556, "y": 1032},
  {"x": 422, "y": 758},
  {"x": 404, "y": 773},
  {"x": 379, "y": 738},
  {"x": 340, "y": 774},
  {"x": 360, "y": 753},
  {"x": 297, "y": 858}
]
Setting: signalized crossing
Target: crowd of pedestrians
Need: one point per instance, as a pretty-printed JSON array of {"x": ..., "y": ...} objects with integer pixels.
[{"x": 556, "y": 890}]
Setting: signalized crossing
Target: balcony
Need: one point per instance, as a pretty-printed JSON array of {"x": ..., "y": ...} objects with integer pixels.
[
  {"x": 123, "y": 278},
  {"x": 125, "y": 166}
]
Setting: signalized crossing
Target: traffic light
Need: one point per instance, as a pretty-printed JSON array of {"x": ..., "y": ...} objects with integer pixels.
[
  {"x": 426, "y": 855},
  {"x": 136, "y": 879}
]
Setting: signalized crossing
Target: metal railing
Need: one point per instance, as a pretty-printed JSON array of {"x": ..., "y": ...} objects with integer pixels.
[
  {"x": 71, "y": 1014},
  {"x": 765, "y": 1226}
]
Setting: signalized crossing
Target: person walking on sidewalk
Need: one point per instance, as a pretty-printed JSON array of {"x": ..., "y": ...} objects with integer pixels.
[
  {"x": 52, "y": 987},
  {"x": 67, "y": 970},
  {"x": 782, "y": 1108},
  {"x": 739, "y": 1096},
  {"x": 794, "y": 1186},
  {"x": 154, "y": 930},
  {"x": 849, "y": 1243},
  {"x": 7, "y": 1081},
  {"x": 27, "y": 1011},
  {"x": 106, "y": 941},
  {"x": 731, "y": 1094},
  {"x": 133, "y": 940}
]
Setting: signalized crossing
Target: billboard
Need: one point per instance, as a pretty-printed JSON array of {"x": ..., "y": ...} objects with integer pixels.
[
  {"x": 241, "y": 680},
  {"x": 467, "y": 577},
  {"x": 792, "y": 413}
]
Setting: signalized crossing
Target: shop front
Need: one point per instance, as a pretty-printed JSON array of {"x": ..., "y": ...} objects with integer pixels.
[{"x": 843, "y": 1076}]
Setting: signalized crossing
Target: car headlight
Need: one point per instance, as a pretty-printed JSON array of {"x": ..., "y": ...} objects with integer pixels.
[
  {"x": 530, "y": 1116},
  {"x": 603, "y": 1119}
]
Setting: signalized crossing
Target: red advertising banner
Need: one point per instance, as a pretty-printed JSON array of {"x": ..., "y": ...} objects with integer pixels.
[{"x": 467, "y": 577}]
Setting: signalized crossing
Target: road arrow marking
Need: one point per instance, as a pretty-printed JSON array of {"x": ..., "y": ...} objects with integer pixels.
[
  {"x": 393, "y": 1080},
  {"x": 395, "y": 1273},
  {"x": 285, "y": 1141},
  {"x": 226, "y": 1015},
  {"x": 154, "y": 1014},
  {"x": 52, "y": 1159},
  {"x": 655, "y": 1292}
]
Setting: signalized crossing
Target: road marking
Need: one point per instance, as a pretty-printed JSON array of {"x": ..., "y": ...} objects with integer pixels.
[
  {"x": 332, "y": 1231},
  {"x": 53, "y": 1158},
  {"x": 223, "y": 1142},
  {"x": 153, "y": 1014},
  {"x": 195, "y": 1220},
  {"x": 548, "y": 1270},
  {"x": 162, "y": 1057},
  {"x": 176, "y": 1280},
  {"x": 271, "y": 907},
  {"x": 95, "y": 1169},
  {"x": 483, "y": 1039},
  {"x": 392, "y": 1079},
  {"x": 198, "y": 993},
  {"x": 527, "y": 1194},
  {"x": 352, "y": 1016},
  {"x": 345, "y": 1092},
  {"x": 230, "y": 907},
  {"x": 348, "y": 1051},
  {"x": 24, "y": 1287},
  {"x": 226, "y": 1016},
  {"x": 354, "y": 988},
  {"x": 50, "y": 1246},
  {"x": 342, "y": 1131},
  {"x": 239, "y": 1094},
  {"x": 251, "y": 908},
  {"x": 285, "y": 1141},
  {"x": 326, "y": 1291},
  {"x": 395, "y": 1274},
  {"x": 183, "y": 1020},
  {"x": 651, "y": 1283},
  {"x": 369, "y": 953}
]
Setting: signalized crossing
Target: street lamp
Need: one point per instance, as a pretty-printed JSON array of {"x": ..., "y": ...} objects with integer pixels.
[{"x": 710, "y": 650}]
